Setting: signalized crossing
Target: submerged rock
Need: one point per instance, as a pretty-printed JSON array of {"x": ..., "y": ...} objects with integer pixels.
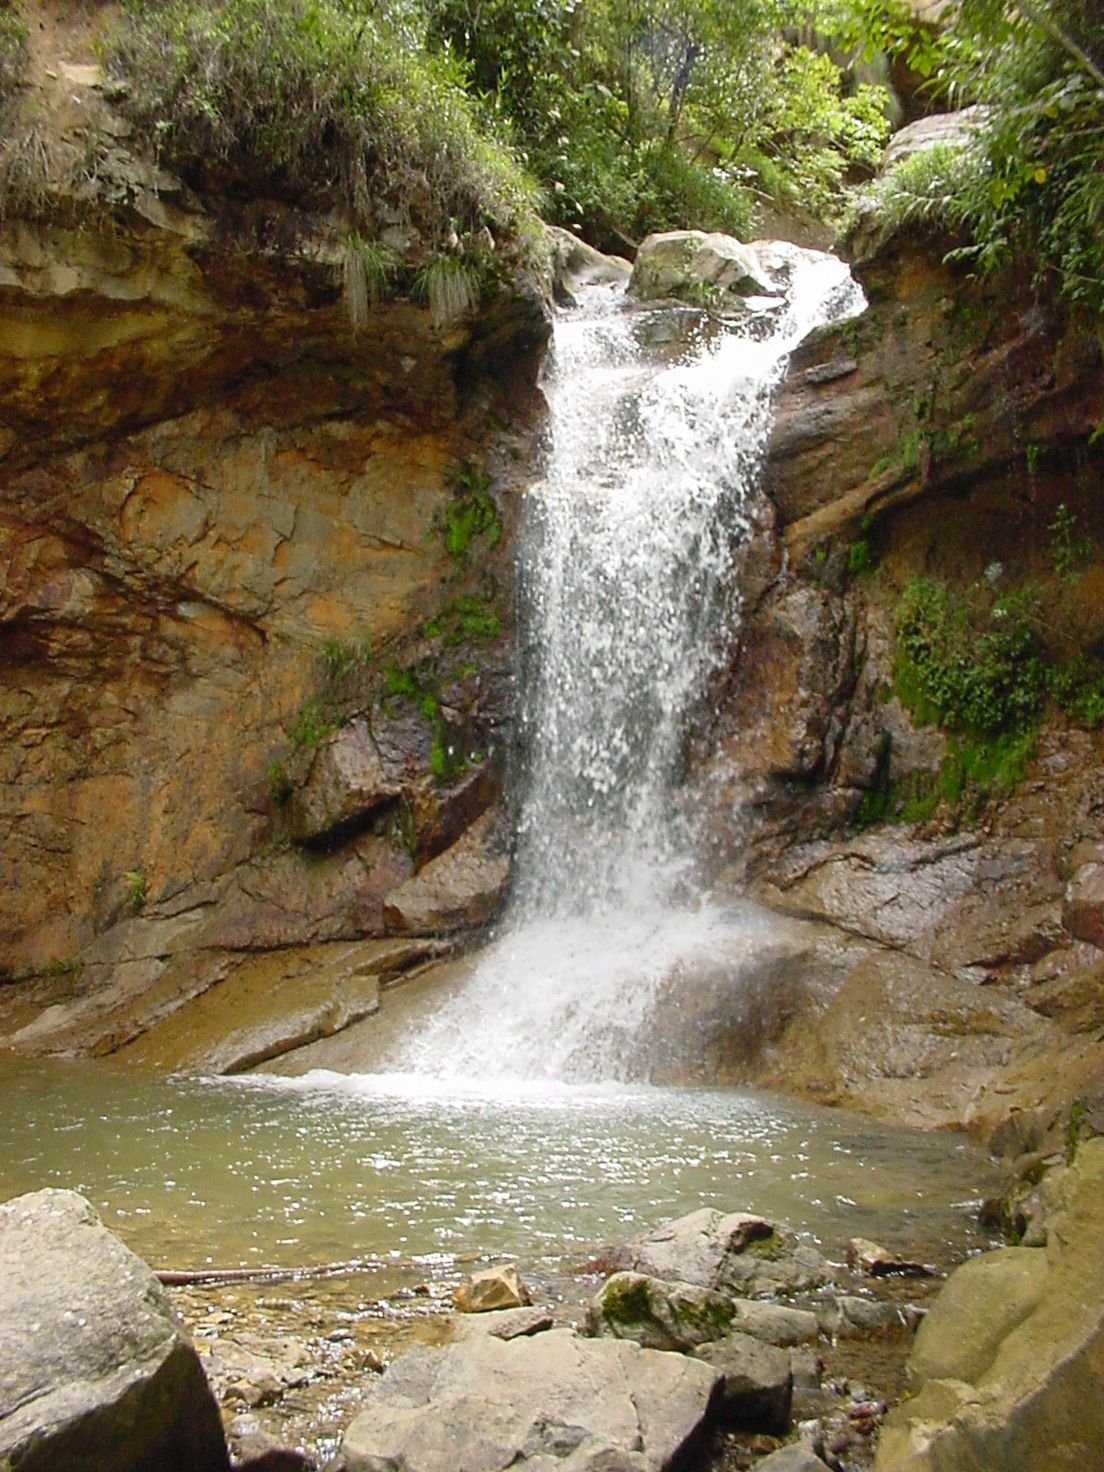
[
  {"x": 552, "y": 1400},
  {"x": 95, "y": 1369}
]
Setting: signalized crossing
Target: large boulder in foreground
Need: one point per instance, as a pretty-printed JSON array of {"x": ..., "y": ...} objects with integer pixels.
[
  {"x": 95, "y": 1370},
  {"x": 556, "y": 1399},
  {"x": 1009, "y": 1362}
]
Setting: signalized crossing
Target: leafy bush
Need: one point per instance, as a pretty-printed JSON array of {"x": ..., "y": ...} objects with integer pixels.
[
  {"x": 981, "y": 675},
  {"x": 320, "y": 100},
  {"x": 1029, "y": 187},
  {"x": 667, "y": 113}
]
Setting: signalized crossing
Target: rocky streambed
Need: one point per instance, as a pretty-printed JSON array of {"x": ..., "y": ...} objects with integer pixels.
[{"x": 719, "y": 1340}]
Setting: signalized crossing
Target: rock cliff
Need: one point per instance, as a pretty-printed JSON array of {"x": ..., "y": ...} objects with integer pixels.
[
  {"x": 946, "y": 441},
  {"x": 256, "y": 597}
]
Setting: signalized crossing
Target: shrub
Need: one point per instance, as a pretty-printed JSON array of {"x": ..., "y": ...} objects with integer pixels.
[
  {"x": 975, "y": 672},
  {"x": 318, "y": 100}
]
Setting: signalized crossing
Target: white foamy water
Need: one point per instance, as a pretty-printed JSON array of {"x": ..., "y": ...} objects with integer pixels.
[{"x": 626, "y": 553}]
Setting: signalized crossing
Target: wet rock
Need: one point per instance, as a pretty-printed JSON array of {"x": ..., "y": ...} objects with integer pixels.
[
  {"x": 95, "y": 1369},
  {"x": 807, "y": 1367},
  {"x": 657, "y": 1313},
  {"x": 758, "y": 1382},
  {"x": 907, "y": 1042},
  {"x": 774, "y": 1323},
  {"x": 343, "y": 785},
  {"x": 587, "y": 1403},
  {"x": 460, "y": 889},
  {"x": 795, "y": 1458},
  {"x": 1083, "y": 910},
  {"x": 794, "y": 662},
  {"x": 874, "y": 1261},
  {"x": 850, "y": 1317},
  {"x": 1006, "y": 1365},
  {"x": 576, "y": 264},
  {"x": 691, "y": 265},
  {"x": 739, "y": 1254},
  {"x": 491, "y": 1288}
]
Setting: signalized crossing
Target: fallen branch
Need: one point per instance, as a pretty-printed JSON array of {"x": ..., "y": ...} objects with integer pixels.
[{"x": 183, "y": 1278}]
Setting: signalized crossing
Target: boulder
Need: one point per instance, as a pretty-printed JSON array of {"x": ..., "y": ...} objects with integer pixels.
[
  {"x": 758, "y": 1382},
  {"x": 1007, "y": 1366},
  {"x": 1083, "y": 910},
  {"x": 693, "y": 266},
  {"x": 343, "y": 785},
  {"x": 498, "y": 1287},
  {"x": 656, "y": 1313},
  {"x": 850, "y": 1317},
  {"x": 551, "y": 1401},
  {"x": 774, "y": 1323},
  {"x": 795, "y": 1458},
  {"x": 735, "y": 1253},
  {"x": 461, "y": 888},
  {"x": 95, "y": 1370}
]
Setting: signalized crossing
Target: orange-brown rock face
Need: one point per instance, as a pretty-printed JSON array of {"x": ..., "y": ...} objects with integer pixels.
[
  {"x": 213, "y": 495},
  {"x": 948, "y": 434}
]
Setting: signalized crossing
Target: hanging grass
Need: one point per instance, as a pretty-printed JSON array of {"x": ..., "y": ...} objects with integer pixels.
[
  {"x": 450, "y": 286},
  {"x": 320, "y": 102}
]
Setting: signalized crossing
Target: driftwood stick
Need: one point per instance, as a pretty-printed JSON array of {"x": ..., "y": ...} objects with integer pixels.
[{"x": 183, "y": 1278}]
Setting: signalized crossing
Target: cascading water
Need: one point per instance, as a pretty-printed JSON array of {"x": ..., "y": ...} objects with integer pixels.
[{"x": 626, "y": 551}]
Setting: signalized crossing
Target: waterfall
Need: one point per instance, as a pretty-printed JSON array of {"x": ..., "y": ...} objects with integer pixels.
[{"x": 658, "y": 421}]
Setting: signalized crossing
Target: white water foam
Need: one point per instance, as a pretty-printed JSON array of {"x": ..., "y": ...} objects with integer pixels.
[{"x": 627, "y": 604}]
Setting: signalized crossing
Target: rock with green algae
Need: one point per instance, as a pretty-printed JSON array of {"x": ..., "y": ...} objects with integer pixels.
[
  {"x": 736, "y": 1253},
  {"x": 1008, "y": 1365},
  {"x": 658, "y": 1314}
]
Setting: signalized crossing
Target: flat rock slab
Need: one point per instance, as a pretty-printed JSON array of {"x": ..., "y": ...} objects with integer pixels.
[
  {"x": 555, "y": 1401},
  {"x": 95, "y": 1370}
]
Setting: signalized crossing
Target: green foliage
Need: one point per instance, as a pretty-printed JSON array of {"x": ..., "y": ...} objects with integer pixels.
[
  {"x": 666, "y": 113},
  {"x": 1068, "y": 547},
  {"x": 312, "y": 725},
  {"x": 861, "y": 557},
  {"x": 13, "y": 60},
  {"x": 469, "y": 619},
  {"x": 976, "y": 672},
  {"x": 470, "y": 513},
  {"x": 450, "y": 286},
  {"x": 321, "y": 100},
  {"x": 368, "y": 271},
  {"x": 135, "y": 882},
  {"x": 1028, "y": 187},
  {"x": 1078, "y": 690},
  {"x": 400, "y": 684},
  {"x": 279, "y": 783},
  {"x": 341, "y": 656}
]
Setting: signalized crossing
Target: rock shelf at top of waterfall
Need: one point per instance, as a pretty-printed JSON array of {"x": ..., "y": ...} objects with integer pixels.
[{"x": 658, "y": 420}]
